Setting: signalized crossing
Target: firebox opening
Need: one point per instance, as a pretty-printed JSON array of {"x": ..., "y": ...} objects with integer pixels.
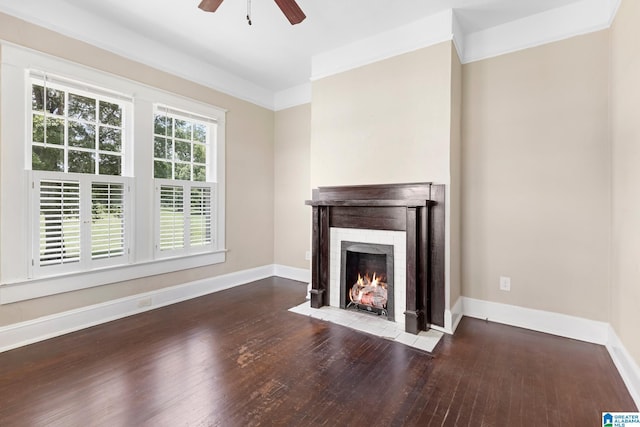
[{"x": 367, "y": 278}]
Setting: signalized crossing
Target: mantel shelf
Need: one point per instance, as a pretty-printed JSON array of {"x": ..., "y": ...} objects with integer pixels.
[{"x": 371, "y": 203}]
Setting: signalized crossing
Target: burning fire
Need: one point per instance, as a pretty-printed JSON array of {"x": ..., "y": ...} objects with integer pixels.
[
  {"x": 373, "y": 282},
  {"x": 369, "y": 291}
]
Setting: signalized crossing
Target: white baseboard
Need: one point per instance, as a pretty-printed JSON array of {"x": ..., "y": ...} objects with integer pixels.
[
  {"x": 456, "y": 314},
  {"x": 293, "y": 273},
  {"x": 565, "y": 326},
  {"x": 451, "y": 319},
  {"x": 562, "y": 325},
  {"x": 627, "y": 366},
  {"x": 31, "y": 331}
]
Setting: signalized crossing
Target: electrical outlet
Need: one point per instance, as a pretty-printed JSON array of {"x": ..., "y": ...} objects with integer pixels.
[
  {"x": 144, "y": 302},
  {"x": 307, "y": 255},
  {"x": 505, "y": 283}
]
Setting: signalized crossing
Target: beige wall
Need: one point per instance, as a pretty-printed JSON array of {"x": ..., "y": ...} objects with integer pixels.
[
  {"x": 292, "y": 226},
  {"x": 387, "y": 122},
  {"x": 249, "y": 173},
  {"x": 625, "y": 134},
  {"x": 536, "y": 177}
]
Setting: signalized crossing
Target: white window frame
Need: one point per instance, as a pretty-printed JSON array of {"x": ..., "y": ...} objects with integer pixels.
[{"x": 16, "y": 221}]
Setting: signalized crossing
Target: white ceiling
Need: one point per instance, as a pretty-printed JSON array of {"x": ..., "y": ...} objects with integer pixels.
[{"x": 270, "y": 54}]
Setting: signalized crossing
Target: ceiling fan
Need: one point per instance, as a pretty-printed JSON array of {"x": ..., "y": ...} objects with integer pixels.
[{"x": 290, "y": 8}]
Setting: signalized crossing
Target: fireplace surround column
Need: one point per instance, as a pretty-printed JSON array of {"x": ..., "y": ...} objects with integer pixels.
[{"x": 319, "y": 257}]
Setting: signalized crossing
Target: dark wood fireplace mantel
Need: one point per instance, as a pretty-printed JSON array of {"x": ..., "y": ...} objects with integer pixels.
[{"x": 417, "y": 209}]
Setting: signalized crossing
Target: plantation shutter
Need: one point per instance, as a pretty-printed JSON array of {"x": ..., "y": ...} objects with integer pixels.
[
  {"x": 107, "y": 220},
  {"x": 172, "y": 221},
  {"x": 200, "y": 226},
  {"x": 79, "y": 222},
  {"x": 59, "y": 207}
]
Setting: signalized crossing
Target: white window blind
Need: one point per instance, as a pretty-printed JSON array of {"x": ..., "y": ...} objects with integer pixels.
[
  {"x": 200, "y": 217},
  {"x": 172, "y": 218},
  {"x": 186, "y": 222},
  {"x": 80, "y": 222},
  {"x": 107, "y": 220},
  {"x": 59, "y": 222}
]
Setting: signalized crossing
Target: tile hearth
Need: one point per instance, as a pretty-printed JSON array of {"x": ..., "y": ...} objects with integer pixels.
[{"x": 370, "y": 324}]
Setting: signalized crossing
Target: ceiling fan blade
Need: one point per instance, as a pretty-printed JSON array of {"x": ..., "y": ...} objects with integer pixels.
[
  {"x": 291, "y": 10},
  {"x": 210, "y": 5}
]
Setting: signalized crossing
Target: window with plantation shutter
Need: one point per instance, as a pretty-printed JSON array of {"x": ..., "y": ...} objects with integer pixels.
[
  {"x": 79, "y": 140},
  {"x": 184, "y": 147},
  {"x": 80, "y": 222}
]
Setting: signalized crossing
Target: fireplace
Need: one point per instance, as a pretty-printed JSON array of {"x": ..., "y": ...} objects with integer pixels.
[
  {"x": 408, "y": 216},
  {"x": 367, "y": 278}
]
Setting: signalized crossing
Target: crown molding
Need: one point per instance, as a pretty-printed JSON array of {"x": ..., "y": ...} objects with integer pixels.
[
  {"x": 133, "y": 46},
  {"x": 292, "y": 97},
  {"x": 557, "y": 24},
  {"x": 419, "y": 34},
  {"x": 614, "y": 5}
]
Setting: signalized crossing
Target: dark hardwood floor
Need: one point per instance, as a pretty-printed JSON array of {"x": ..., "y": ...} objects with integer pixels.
[{"x": 239, "y": 358}]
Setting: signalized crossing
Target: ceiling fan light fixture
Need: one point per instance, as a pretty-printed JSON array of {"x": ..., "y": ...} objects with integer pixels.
[{"x": 290, "y": 8}]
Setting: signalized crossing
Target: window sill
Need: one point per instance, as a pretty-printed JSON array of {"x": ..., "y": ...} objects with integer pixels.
[{"x": 41, "y": 287}]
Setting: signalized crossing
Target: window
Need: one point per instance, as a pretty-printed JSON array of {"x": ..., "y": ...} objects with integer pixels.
[
  {"x": 183, "y": 169},
  {"x": 180, "y": 146},
  {"x": 79, "y": 218},
  {"x": 81, "y": 202},
  {"x": 74, "y": 130}
]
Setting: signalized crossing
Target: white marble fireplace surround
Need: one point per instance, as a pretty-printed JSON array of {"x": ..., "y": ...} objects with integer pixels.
[
  {"x": 381, "y": 237},
  {"x": 364, "y": 322}
]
